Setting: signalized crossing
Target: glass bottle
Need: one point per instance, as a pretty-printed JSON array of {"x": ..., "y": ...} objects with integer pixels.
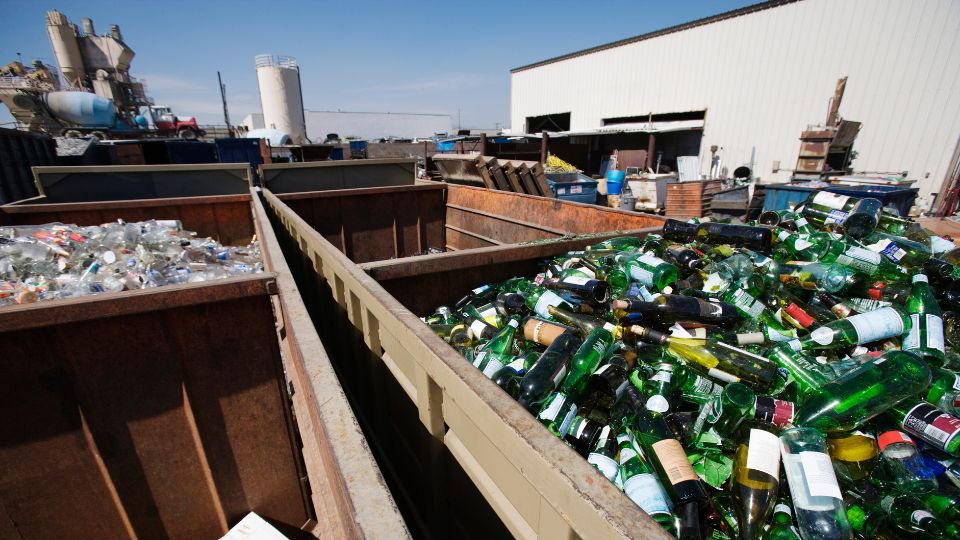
[
  {"x": 909, "y": 514},
  {"x": 813, "y": 485},
  {"x": 497, "y": 352},
  {"x": 590, "y": 290},
  {"x": 658, "y": 389},
  {"x": 944, "y": 391},
  {"x": 755, "y": 238},
  {"x": 641, "y": 484},
  {"x": 781, "y": 528},
  {"x": 720, "y": 418},
  {"x": 898, "y": 250},
  {"x": 585, "y": 361},
  {"x": 862, "y": 394},
  {"x": 480, "y": 295},
  {"x": 543, "y": 332},
  {"x": 877, "y": 325},
  {"x": 670, "y": 308},
  {"x": 751, "y": 308},
  {"x": 823, "y": 277},
  {"x": 755, "y": 480},
  {"x": 603, "y": 456},
  {"x": 582, "y": 322},
  {"x": 854, "y": 455},
  {"x": 649, "y": 270},
  {"x": 679, "y": 231},
  {"x": 926, "y": 329},
  {"x": 904, "y": 465},
  {"x": 929, "y": 424},
  {"x": 548, "y": 372},
  {"x": 539, "y": 298},
  {"x": 510, "y": 375}
]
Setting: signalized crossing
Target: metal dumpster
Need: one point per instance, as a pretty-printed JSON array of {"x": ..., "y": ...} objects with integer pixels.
[
  {"x": 167, "y": 412},
  {"x": 324, "y": 175},
  {"x": 460, "y": 456}
]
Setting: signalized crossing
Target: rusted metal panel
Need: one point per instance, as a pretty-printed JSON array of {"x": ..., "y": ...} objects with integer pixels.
[
  {"x": 343, "y": 174},
  {"x": 226, "y": 218}
]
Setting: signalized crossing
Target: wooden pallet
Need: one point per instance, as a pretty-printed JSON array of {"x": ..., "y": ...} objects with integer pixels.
[
  {"x": 690, "y": 199},
  {"x": 526, "y": 177}
]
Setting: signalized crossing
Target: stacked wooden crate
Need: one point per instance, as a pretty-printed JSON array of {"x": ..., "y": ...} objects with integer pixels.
[{"x": 690, "y": 199}]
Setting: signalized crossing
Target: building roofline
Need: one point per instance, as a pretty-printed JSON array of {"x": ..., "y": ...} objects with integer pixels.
[
  {"x": 662, "y": 32},
  {"x": 388, "y": 112}
]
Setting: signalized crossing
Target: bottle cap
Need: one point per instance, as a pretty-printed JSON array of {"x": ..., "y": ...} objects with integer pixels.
[
  {"x": 892, "y": 437},
  {"x": 920, "y": 277}
]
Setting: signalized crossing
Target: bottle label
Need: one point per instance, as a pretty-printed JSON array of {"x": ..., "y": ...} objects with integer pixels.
[
  {"x": 606, "y": 465},
  {"x": 836, "y": 216},
  {"x": 493, "y": 366},
  {"x": 888, "y": 249},
  {"x": 800, "y": 222},
  {"x": 722, "y": 375},
  {"x": 477, "y": 327},
  {"x": 781, "y": 508},
  {"x": 799, "y": 315},
  {"x": 714, "y": 410},
  {"x": 830, "y": 200},
  {"x": 822, "y": 335},
  {"x": 801, "y": 244},
  {"x": 662, "y": 376},
  {"x": 658, "y": 403},
  {"x": 480, "y": 290},
  {"x": 517, "y": 365},
  {"x": 935, "y": 332},
  {"x": 932, "y": 424},
  {"x": 919, "y": 516},
  {"x": 626, "y": 454},
  {"x": 763, "y": 453},
  {"x": 860, "y": 259},
  {"x": 642, "y": 275},
  {"x": 709, "y": 309},
  {"x": 576, "y": 280},
  {"x": 553, "y": 409},
  {"x": 783, "y": 236},
  {"x": 703, "y": 385},
  {"x": 749, "y": 305},
  {"x": 651, "y": 260},
  {"x": 567, "y": 421},
  {"x": 547, "y": 299},
  {"x": 774, "y": 411},
  {"x": 674, "y": 461},
  {"x": 876, "y": 325},
  {"x": 820, "y": 478},
  {"x": 912, "y": 340},
  {"x": 644, "y": 490},
  {"x": 559, "y": 375},
  {"x": 477, "y": 360}
]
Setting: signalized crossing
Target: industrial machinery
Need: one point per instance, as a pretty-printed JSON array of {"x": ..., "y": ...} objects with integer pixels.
[{"x": 98, "y": 96}]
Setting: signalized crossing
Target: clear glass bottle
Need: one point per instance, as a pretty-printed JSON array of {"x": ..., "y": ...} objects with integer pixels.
[{"x": 816, "y": 494}]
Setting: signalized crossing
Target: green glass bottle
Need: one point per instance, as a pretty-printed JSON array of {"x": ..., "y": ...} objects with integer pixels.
[
  {"x": 751, "y": 308},
  {"x": 944, "y": 391},
  {"x": 755, "y": 480},
  {"x": 641, "y": 484},
  {"x": 720, "y": 418},
  {"x": 929, "y": 424},
  {"x": 586, "y": 360},
  {"x": 926, "y": 329},
  {"x": 658, "y": 389},
  {"x": 816, "y": 494},
  {"x": 756, "y": 238},
  {"x": 898, "y": 250},
  {"x": 603, "y": 456},
  {"x": 649, "y": 270},
  {"x": 620, "y": 243},
  {"x": 943, "y": 506},
  {"x": 791, "y": 245},
  {"x": 877, "y": 325},
  {"x": 582, "y": 322},
  {"x": 910, "y": 515},
  {"x": 781, "y": 527},
  {"x": 510, "y": 375},
  {"x": 849, "y": 253},
  {"x": 558, "y": 413},
  {"x": 868, "y": 520},
  {"x": 548, "y": 372},
  {"x": 497, "y": 352},
  {"x": 823, "y": 277},
  {"x": 806, "y": 373},
  {"x": 864, "y": 393},
  {"x": 539, "y": 299}
]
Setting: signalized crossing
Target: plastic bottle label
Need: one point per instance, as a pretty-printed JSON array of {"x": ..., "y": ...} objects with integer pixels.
[
  {"x": 932, "y": 424},
  {"x": 819, "y": 475},
  {"x": 658, "y": 403},
  {"x": 552, "y": 410},
  {"x": 830, "y": 200},
  {"x": 576, "y": 280},
  {"x": 674, "y": 461},
  {"x": 547, "y": 299},
  {"x": 876, "y": 325},
  {"x": 763, "y": 453},
  {"x": 644, "y": 490},
  {"x": 774, "y": 411},
  {"x": 860, "y": 259},
  {"x": 607, "y": 466},
  {"x": 493, "y": 366}
]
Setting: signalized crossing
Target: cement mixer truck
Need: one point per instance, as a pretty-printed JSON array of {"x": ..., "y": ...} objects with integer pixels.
[{"x": 84, "y": 113}]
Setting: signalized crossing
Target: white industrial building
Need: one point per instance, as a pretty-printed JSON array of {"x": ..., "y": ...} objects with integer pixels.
[
  {"x": 750, "y": 80},
  {"x": 367, "y": 125}
]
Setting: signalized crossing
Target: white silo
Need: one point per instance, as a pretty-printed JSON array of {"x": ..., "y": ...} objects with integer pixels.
[
  {"x": 63, "y": 37},
  {"x": 280, "y": 97}
]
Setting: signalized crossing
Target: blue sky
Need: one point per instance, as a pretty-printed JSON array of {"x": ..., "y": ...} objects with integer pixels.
[{"x": 425, "y": 56}]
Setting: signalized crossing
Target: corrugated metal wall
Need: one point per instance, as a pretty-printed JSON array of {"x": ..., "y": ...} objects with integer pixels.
[{"x": 765, "y": 76}]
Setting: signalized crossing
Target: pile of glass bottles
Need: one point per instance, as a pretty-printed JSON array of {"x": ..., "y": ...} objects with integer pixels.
[
  {"x": 791, "y": 377},
  {"x": 44, "y": 262}
]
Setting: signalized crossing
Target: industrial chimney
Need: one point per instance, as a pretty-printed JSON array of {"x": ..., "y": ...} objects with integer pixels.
[{"x": 280, "y": 97}]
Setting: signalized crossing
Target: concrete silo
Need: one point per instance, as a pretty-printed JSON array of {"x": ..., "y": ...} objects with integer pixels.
[{"x": 280, "y": 97}]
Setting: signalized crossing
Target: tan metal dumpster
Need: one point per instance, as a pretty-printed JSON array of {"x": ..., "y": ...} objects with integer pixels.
[
  {"x": 166, "y": 413},
  {"x": 461, "y": 457}
]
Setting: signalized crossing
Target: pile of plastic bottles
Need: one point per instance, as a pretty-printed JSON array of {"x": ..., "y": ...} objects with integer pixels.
[
  {"x": 794, "y": 377},
  {"x": 55, "y": 260}
]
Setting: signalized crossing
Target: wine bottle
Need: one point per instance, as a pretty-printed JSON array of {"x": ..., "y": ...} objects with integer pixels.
[
  {"x": 590, "y": 290},
  {"x": 756, "y": 238},
  {"x": 585, "y": 361},
  {"x": 641, "y": 485},
  {"x": 670, "y": 308},
  {"x": 813, "y": 485},
  {"x": 877, "y": 325},
  {"x": 548, "y": 372},
  {"x": 903, "y": 464},
  {"x": 497, "y": 352},
  {"x": 823, "y": 277},
  {"x": 755, "y": 480},
  {"x": 854, "y": 456},
  {"x": 539, "y": 299}
]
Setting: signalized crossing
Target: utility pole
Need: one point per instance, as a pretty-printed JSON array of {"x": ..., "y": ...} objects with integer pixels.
[{"x": 223, "y": 97}]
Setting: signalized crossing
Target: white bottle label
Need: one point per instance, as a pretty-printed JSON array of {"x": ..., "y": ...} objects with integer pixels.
[
  {"x": 830, "y": 200},
  {"x": 576, "y": 280},
  {"x": 763, "y": 453},
  {"x": 819, "y": 475},
  {"x": 722, "y": 375},
  {"x": 801, "y": 244},
  {"x": 935, "y": 332},
  {"x": 547, "y": 299},
  {"x": 801, "y": 222},
  {"x": 607, "y": 466},
  {"x": 920, "y": 515},
  {"x": 567, "y": 420},
  {"x": 646, "y": 492},
  {"x": 747, "y": 303},
  {"x": 477, "y": 327},
  {"x": 860, "y": 259},
  {"x": 552, "y": 410},
  {"x": 478, "y": 359},
  {"x": 642, "y": 275},
  {"x": 876, "y": 325},
  {"x": 493, "y": 366}
]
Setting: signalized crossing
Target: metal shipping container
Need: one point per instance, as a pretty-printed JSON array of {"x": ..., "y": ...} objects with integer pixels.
[
  {"x": 461, "y": 457},
  {"x": 167, "y": 412}
]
